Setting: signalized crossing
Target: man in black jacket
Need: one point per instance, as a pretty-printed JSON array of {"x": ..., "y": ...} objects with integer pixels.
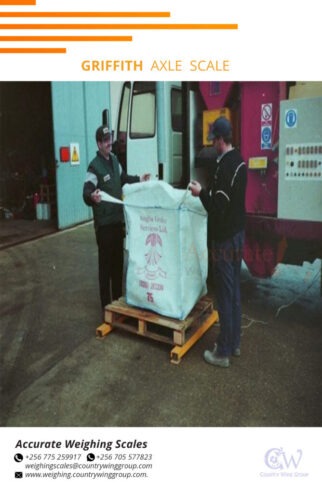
[
  {"x": 106, "y": 174},
  {"x": 225, "y": 203}
]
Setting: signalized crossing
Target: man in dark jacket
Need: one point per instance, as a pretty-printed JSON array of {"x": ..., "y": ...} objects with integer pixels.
[
  {"x": 106, "y": 174},
  {"x": 225, "y": 203}
]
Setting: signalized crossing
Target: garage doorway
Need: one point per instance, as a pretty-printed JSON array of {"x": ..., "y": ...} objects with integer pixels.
[{"x": 28, "y": 207}]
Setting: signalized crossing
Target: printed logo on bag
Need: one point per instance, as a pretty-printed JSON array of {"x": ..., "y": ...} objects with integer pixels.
[
  {"x": 107, "y": 177},
  {"x": 152, "y": 270}
]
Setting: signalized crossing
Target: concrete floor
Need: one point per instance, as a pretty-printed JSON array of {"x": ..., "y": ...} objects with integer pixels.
[
  {"x": 16, "y": 231},
  {"x": 54, "y": 372}
]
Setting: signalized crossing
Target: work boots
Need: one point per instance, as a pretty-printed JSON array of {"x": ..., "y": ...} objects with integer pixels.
[{"x": 213, "y": 358}]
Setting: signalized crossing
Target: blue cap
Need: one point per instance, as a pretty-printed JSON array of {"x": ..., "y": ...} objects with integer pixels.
[{"x": 220, "y": 128}]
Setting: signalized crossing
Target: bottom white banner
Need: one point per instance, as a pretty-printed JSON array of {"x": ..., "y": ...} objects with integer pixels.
[{"x": 112, "y": 459}]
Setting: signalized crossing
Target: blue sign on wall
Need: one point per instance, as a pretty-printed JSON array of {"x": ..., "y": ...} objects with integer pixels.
[
  {"x": 291, "y": 118},
  {"x": 266, "y": 137}
]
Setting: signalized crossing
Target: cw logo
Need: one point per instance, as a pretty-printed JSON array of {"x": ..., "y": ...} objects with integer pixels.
[{"x": 276, "y": 458}]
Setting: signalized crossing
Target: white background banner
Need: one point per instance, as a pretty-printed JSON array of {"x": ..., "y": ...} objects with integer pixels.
[
  {"x": 256, "y": 41},
  {"x": 169, "y": 458},
  {"x": 242, "y": 40}
]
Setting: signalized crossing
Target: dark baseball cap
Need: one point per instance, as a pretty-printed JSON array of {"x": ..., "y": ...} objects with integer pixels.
[
  {"x": 220, "y": 128},
  {"x": 103, "y": 132}
]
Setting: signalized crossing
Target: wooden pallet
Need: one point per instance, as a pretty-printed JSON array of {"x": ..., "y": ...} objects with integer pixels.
[{"x": 183, "y": 334}]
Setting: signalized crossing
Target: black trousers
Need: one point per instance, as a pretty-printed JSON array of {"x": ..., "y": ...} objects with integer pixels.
[{"x": 109, "y": 239}]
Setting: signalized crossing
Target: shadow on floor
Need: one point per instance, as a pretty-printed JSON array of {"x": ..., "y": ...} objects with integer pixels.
[{"x": 15, "y": 231}]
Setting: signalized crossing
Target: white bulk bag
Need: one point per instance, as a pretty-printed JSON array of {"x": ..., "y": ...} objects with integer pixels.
[{"x": 167, "y": 247}]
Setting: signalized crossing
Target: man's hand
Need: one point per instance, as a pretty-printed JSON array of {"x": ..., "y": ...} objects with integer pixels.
[
  {"x": 195, "y": 188},
  {"x": 95, "y": 196},
  {"x": 145, "y": 177}
]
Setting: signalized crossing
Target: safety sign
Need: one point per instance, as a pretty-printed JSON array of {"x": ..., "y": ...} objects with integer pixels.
[
  {"x": 266, "y": 113},
  {"x": 291, "y": 118},
  {"x": 266, "y": 137},
  {"x": 74, "y": 154}
]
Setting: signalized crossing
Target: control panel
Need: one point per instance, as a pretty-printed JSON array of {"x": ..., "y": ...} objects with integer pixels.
[
  {"x": 303, "y": 161},
  {"x": 300, "y": 160}
]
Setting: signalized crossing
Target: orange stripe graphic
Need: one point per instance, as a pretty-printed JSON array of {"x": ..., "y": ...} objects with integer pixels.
[
  {"x": 119, "y": 26},
  {"x": 17, "y": 2},
  {"x": 65, "y": 38},
  {"x": 33, "y": 50},
  {"x": 84, "y": 14},
  {"x": 136, "y": 26}
]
